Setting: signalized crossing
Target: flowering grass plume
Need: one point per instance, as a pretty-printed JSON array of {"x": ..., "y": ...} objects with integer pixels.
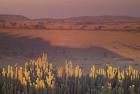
[{"x": 40, "y": 77}]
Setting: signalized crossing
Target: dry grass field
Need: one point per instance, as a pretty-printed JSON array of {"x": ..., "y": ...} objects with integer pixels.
[
  {"x": 69, "y": 47},
  {"x": 40, "y": 77},
  {"x": 82, "y": 55}
]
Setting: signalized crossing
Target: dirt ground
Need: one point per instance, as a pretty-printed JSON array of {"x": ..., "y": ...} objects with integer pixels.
[{"x": 82, "y": 47}]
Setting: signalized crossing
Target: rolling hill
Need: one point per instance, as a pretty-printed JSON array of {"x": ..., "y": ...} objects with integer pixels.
[
  {"x": 94, "y": 23},
  {"x": 12, "y": 18}
]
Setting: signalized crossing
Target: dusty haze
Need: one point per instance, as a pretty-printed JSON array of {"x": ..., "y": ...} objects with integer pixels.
[{"x": 68, "y": 8}]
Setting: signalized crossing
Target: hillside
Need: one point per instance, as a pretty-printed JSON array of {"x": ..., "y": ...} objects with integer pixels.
[
  {"x": 13, "y": 18},
  {"x": 84, "y": 48},
  {"x": 94, "y": 23},
  {"x": 103, "y": 19}
]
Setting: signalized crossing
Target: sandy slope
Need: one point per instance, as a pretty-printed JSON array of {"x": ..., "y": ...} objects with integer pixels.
[
  {"x": 91, "y": 46},
  {"x": 124, "y": 43}
]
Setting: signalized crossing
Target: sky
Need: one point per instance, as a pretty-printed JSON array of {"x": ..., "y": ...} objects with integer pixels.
[{"x": 70, "y": 8}]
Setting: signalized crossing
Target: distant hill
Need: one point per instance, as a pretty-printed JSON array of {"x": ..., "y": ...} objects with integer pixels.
[
  {"x": 13, "y": 18},
  {"x": 102, "y": 18},
  {"x": 96, "y": 23},
  {"x": 79, "y": 18}
]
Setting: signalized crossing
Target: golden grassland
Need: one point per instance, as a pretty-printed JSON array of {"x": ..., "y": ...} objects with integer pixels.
[{"x": 40, "y": 77}]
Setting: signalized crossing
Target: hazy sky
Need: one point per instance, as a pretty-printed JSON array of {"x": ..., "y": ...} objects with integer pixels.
[{"x": 68, "y": 8}]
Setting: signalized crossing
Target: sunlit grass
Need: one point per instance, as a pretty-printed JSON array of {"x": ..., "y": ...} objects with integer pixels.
[{"x": 40, "y": 77}]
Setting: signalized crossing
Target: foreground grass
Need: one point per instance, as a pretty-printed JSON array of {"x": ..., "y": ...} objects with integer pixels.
[{"x": 40, "y": 77}]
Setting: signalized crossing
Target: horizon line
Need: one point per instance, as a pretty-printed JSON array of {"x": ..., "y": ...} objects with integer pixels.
[{"x": 70, "y": 16}]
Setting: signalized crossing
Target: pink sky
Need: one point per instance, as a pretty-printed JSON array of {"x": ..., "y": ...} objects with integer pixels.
[{"x": 68, "y": 8}]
